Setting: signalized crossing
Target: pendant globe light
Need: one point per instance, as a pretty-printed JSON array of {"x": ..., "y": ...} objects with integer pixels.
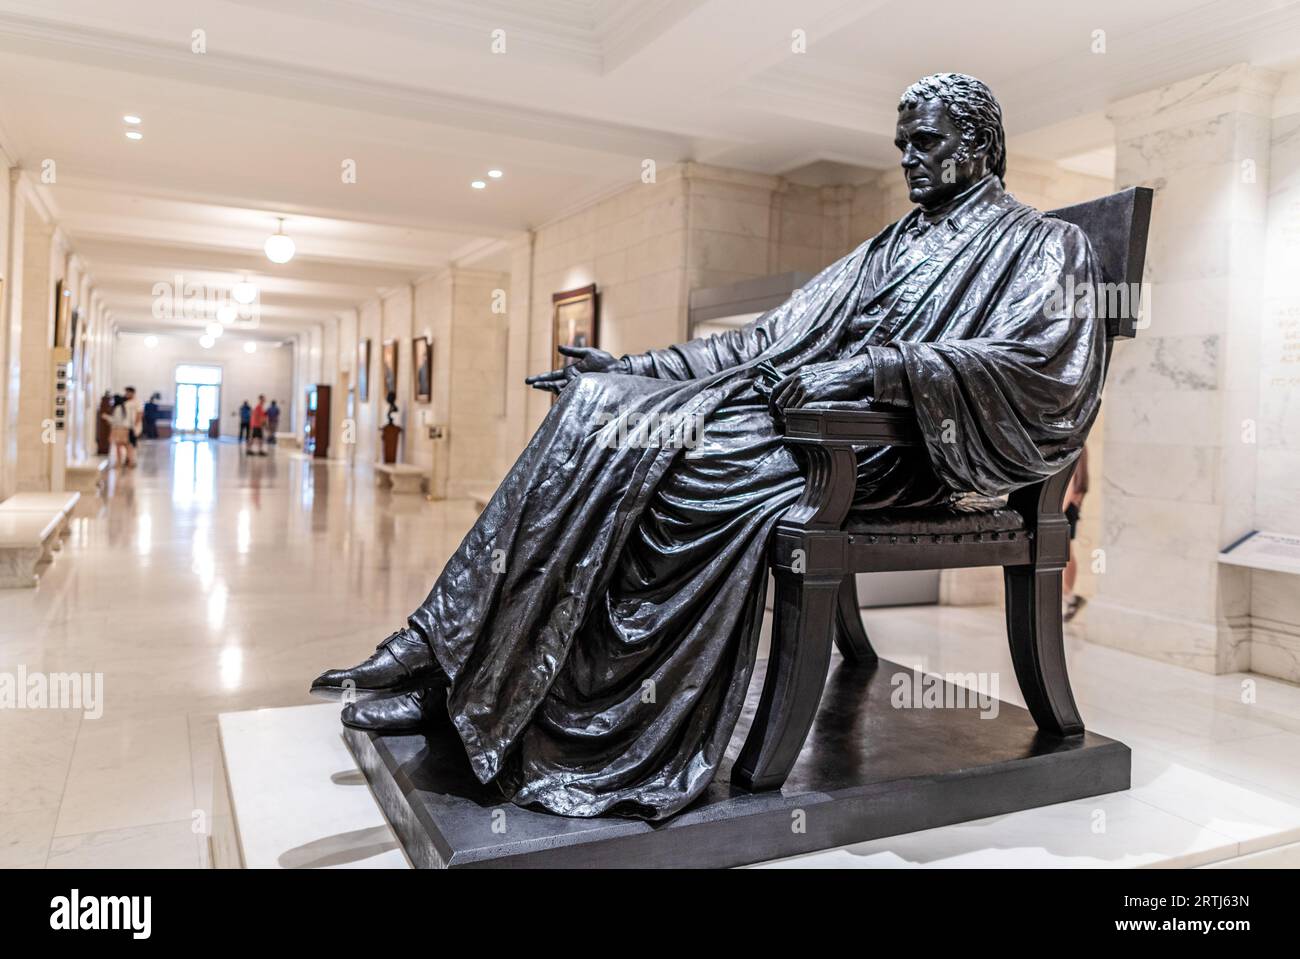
[
  {"x": 244, "y": 292},
  {"x": 279, "y": 247}
]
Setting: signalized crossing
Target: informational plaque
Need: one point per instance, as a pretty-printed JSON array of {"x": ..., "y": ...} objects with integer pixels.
[{"x": 1278, "y": 552}]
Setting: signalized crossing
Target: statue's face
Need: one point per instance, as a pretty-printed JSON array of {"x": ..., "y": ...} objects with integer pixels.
[{"x": 931, "y": 145}]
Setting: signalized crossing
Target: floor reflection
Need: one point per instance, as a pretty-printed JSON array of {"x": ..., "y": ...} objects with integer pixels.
[{"x": 202, "y": 581}]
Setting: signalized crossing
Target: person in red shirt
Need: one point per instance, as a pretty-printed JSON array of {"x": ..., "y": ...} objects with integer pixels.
[{"x": 257, "y": 421}]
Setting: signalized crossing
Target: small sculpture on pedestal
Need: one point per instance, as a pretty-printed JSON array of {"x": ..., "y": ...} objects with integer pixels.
[{"x": 391, "y": 430}]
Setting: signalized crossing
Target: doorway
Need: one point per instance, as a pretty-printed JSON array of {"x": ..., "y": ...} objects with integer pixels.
[{"x": 198, "y": 398}]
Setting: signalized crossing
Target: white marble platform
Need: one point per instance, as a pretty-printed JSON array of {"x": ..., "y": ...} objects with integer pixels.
[
  {"x": 299, "y": 800},
  {"x": 296, "y": 797}
]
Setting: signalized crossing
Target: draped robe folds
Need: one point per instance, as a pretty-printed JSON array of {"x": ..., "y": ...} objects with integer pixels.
[{"x": 599, "y": 622}]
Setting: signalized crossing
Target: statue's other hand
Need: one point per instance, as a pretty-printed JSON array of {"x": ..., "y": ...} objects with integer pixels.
[
  {"x": 587, "y": 359},
  {"x": 821, "y": 382}
]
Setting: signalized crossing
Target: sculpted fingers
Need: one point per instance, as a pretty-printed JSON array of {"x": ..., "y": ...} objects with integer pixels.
[{"x": 577, "y": 352}]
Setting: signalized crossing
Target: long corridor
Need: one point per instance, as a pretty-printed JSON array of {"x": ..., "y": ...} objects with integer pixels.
[{"x": 202, "y": 581}]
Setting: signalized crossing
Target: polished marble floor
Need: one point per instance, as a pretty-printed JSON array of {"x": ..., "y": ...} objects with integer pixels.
[
  {"x": 201, "y": 582},
  {"x": 207, "y": 582}
]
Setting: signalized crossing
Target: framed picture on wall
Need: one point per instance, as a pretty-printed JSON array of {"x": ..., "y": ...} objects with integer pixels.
[
  {"x": 390, "y": 368},
  {"x": 62, "y": 314},
  {"x": 422, "y": 367},
  {"x": 73, "y": 323},
  {"x": 575, "y": 322},
  {"x": 363, "y": 370}
]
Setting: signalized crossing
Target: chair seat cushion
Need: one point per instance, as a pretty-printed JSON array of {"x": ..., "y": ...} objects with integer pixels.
[{"x": 933, "y": 520}]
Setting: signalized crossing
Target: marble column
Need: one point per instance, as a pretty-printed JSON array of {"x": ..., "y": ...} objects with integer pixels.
[
  {"x": 1275, "y": 596},
  {"x": 1182, "y": 401},
  {"x": 36, "y": 386}
]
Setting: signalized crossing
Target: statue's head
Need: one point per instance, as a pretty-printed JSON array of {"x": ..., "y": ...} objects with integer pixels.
[{"x": 950, "y": 134}]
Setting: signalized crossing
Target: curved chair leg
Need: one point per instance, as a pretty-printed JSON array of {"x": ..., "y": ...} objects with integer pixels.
[
  {"x": 1035, "y": 631},
  {"x": 804, "y": 615},
  {"x": 850, "y": 636}
]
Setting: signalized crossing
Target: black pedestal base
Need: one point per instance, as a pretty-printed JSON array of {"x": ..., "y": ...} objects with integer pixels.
[{"x": 868, "y": 770}]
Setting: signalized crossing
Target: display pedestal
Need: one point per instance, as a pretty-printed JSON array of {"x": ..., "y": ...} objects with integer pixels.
[
  {"x": 868, "y": 770},
  {"x": 389, "y": 435}
]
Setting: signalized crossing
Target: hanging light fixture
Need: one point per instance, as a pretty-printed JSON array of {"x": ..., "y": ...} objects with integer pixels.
[
  {"x": 244, "y": 292},
  {"x": 227, "y": 314},
  {"x": 214, "y": 330},
  {"x": 279, "y": 247},
  {"x": 250, "y": 347},
  {"x": 206, "y": 341}
]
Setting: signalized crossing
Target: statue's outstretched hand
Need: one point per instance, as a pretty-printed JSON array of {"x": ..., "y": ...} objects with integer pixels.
[
  {"x": 818, "y": 382},
  {"x": 588, "y": 360}
]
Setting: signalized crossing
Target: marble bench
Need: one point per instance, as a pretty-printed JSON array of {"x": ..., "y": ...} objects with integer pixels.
[
  {"x": 45, "y": 503},
  {"x": 26, "y": 541},
  {"x": 400, "y": 477},
  {"x": 86, "y": 476}
]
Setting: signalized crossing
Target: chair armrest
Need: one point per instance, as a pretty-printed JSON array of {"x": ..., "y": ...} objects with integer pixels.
[
  {"x": 852, "y": 427},
  {"x": 826, "y": 438}
]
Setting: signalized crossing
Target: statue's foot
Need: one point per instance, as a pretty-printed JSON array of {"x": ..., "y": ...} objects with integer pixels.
[
  {"x": 409, "y": 712},
  {"x": 402, "y": 662}
]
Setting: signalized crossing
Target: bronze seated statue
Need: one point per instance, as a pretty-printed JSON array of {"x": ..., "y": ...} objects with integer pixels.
[{"x": 593, "y": 637}]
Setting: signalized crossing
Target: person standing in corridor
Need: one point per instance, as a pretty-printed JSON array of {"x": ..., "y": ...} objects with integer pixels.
[
  {"x": 245, "y": 414},
  {"x": 272, "y": 421},
  {"x": 257, "y": 421}
]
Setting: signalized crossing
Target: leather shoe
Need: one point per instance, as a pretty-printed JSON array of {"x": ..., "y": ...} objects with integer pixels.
[
  {"x": 408, "y": 712},
  {"x": 400, "y": 663}
]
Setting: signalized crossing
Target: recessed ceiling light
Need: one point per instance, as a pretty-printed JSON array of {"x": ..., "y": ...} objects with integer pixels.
[
  {"x": 495, "y": 174},
  {"x": 134, "y": 135},
  {"x": 206, "y": 341},
  {"x": 131, "y": 118},
  {"x": 250, "y": 347},
  {"x": 478, "y": 184}
]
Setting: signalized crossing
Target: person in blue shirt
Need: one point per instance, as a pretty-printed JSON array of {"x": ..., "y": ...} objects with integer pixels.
[{"x": 245, "y": 416}]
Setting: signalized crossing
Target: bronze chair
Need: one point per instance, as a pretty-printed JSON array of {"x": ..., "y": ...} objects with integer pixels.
[{"x": 816, "y": 597}]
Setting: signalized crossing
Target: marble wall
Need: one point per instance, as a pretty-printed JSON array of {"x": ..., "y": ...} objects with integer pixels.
[
  {"x": 647, "y": 246},
  {"x": 34, "y": 256},
  {"x": 1180, "y": 461},
  {"x": 465, "y": 315}
]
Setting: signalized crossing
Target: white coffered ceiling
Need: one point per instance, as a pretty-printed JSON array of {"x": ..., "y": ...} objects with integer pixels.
[{"x": 260, "y": 124}]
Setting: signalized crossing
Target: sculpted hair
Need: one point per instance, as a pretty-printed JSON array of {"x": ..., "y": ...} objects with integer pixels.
[{"x": 972, "y": 107}]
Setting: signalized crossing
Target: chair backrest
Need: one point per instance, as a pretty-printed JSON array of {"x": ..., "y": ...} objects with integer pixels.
[{"x": 1116, "y": 226}]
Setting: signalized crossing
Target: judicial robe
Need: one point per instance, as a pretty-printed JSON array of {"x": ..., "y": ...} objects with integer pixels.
[{"x": 599, "y": 622}]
